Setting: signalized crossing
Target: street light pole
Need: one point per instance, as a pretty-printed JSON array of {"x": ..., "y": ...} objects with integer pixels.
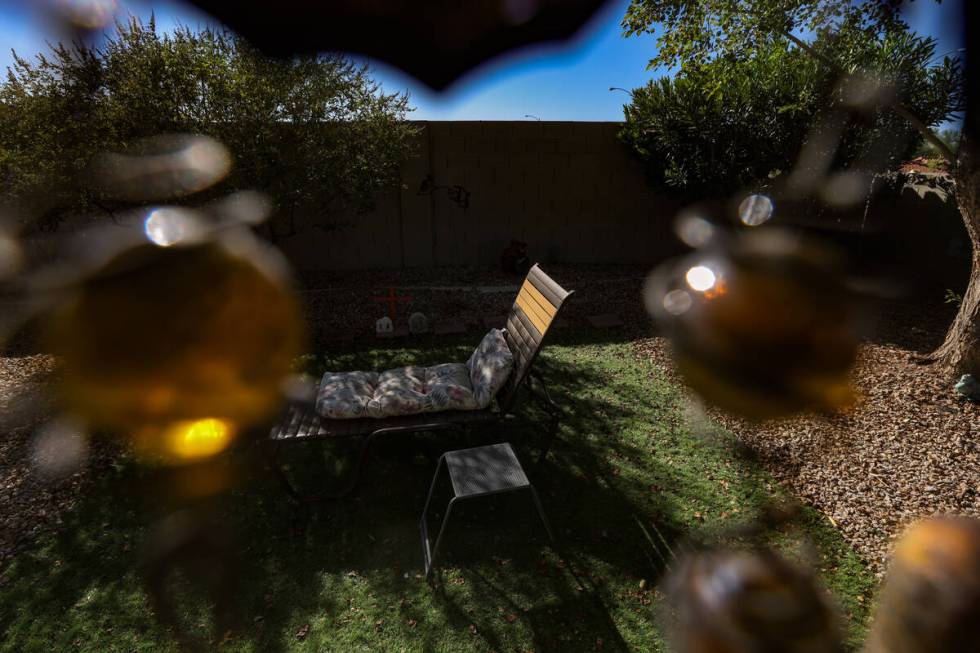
[{"x": 531, "y": 115}]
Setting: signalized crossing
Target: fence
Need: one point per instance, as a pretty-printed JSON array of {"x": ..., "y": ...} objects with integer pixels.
[{"x": 568, "y": 189}]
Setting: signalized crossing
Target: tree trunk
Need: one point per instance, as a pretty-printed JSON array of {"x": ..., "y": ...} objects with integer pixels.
[{"x": 960, "y": 352}]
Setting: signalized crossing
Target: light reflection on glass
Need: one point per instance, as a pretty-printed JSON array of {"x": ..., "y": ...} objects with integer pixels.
[
  {"x": 203, "y": 438},
  {"x": 846, "y": 188},
  {"x": 59, "y": 450},
  {"x": 701, "y": 278},
  {"x": 677, "y": 302},
  {"x": 87, "y": 14},
  {"x": 244, "y": 207},
  {"x": 755, "y": 210},
  {"x": 165, "y": 226},
  {"x": 165, "y": 166},
  {"x": 11, "y": 256},
  {"x": 694, "y": 230}
]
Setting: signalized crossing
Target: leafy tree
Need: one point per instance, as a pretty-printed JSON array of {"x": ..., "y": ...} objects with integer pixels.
[
  {"x": 692, "y": 34},
  {"x": 718, "y": 139},
  {"x": 312, "y": 131},
  {"x": 696, "y": 138}
]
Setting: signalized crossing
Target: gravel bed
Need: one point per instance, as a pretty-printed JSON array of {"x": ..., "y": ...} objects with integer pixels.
[
  {"x": 339, "y": 305},
  {"x": 909, "y": 449}
]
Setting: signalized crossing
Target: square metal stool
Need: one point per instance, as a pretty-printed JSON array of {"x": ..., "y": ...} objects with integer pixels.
[{"x": 476, "y": 472}]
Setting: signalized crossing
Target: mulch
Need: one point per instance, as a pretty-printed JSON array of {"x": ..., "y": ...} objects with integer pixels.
[
  {"x": 27, "y": 504},
  {"x": 909, "y": 449}
]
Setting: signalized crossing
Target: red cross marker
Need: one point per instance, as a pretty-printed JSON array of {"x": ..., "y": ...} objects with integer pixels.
[{"x": 392, "y": 300}]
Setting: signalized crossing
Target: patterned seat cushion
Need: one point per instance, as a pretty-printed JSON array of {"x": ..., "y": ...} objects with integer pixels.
[
  {"x": 400, "y": 391},
  {"x": 448, "y": 388},
  {"x": 347, "y": 394},
  {"x": 490, "y": 365},
  {"x": 411, "y": 390}
]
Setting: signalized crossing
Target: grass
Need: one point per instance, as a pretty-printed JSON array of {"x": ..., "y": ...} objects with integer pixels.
[{"x": 633, "y": 477}]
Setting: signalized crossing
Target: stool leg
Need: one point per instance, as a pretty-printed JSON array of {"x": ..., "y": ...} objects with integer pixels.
[
  {"x": 432, "y": 487},
  {"x": 442, "y": 530},
  {"x": 423, "y": 525},
  {"x": 544, "y": 518}
]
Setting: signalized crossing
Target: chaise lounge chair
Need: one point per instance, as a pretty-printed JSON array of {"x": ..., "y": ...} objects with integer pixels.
[{"x": 538, "y": 304}]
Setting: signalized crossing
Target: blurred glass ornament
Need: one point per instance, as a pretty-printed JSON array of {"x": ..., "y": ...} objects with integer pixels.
[
  {"x": 846, "y": 188},
  {"x": 865, "y": 92},
  {"x": 755, "y": 210},
  {"x": 163, "y": 167},
  {"x": 930, "y": 601},
  {"x": 86, "y": 14},
  {"x": 180, "y": 347},
  {"x": 59, "y": 450},
  {"x": 737, "y": 601},
  {"x": 677, "y": 301},
  {"x": 761, "y": 324},
  {"x": 11, "y": 254},
  {"x": 693, "y": 229},
  {"x": 247, "y": 207},
  {"x": 166, "y": 226}
]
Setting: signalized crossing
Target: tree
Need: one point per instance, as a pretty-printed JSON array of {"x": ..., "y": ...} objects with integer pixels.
[
  {"x": 311, "y": 131},
  {"x": 696, "y": 138},
  {"x": 693, "y": 33},
  {"x": 701, "y": 137}
]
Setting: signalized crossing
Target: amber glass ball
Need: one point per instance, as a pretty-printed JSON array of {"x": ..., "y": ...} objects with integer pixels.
[{"x": 178, "y": 348}]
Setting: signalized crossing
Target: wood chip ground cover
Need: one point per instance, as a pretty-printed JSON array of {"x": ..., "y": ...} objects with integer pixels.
[{"x": 909, "y": 449}]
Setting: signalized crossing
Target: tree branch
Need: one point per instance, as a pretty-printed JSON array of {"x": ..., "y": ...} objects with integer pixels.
[{"x": 894, "y": 105}]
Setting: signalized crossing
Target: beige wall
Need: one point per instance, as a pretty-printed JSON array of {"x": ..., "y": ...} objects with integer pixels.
[{"x": 568, "y": 189}]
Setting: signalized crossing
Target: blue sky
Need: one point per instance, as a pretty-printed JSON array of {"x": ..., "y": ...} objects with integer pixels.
[{"x": 552, "y": 82}]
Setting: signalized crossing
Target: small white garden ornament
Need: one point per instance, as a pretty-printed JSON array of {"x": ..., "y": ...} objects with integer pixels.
[
  {"x": 384, "y": 326},
  {"x": 418, "y": 323}
]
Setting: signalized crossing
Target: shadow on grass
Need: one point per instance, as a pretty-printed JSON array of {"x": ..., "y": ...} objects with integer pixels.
[{"x": 347, "y": 576}]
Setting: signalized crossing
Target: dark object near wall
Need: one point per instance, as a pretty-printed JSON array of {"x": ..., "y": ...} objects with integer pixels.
[
  {"x": 514, "y": 258},
  {"x": 437, "y": 41}
]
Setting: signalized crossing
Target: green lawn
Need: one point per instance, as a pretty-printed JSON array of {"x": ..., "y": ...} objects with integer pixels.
[{"x": 347, "y": 577}]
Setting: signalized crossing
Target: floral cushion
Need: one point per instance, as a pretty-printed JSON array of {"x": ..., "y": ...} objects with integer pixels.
[
  {"x": 347, "y": 394},
  {"x": 489, "y": 366},
  {"x": 400, "y": 391},
  {"x": 448, "y": 387},
  {"x": 411, "y": 390}
]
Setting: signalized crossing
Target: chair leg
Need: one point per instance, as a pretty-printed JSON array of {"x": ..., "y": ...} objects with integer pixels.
[
  {"x": 552, "y": 434},
  {"x": 345, "y": 490},
  {"x": 541, "y": 513},
  {"x": 272, "y": 459}
]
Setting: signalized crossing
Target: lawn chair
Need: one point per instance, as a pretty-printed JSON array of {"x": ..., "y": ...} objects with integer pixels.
[{"x": 538, "y": 304}]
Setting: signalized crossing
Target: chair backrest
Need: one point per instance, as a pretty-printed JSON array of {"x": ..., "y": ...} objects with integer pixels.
[{"x": 538, "y": 304}]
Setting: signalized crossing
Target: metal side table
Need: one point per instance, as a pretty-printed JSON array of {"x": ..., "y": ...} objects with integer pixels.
[{"x": 476, "y": 472}]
